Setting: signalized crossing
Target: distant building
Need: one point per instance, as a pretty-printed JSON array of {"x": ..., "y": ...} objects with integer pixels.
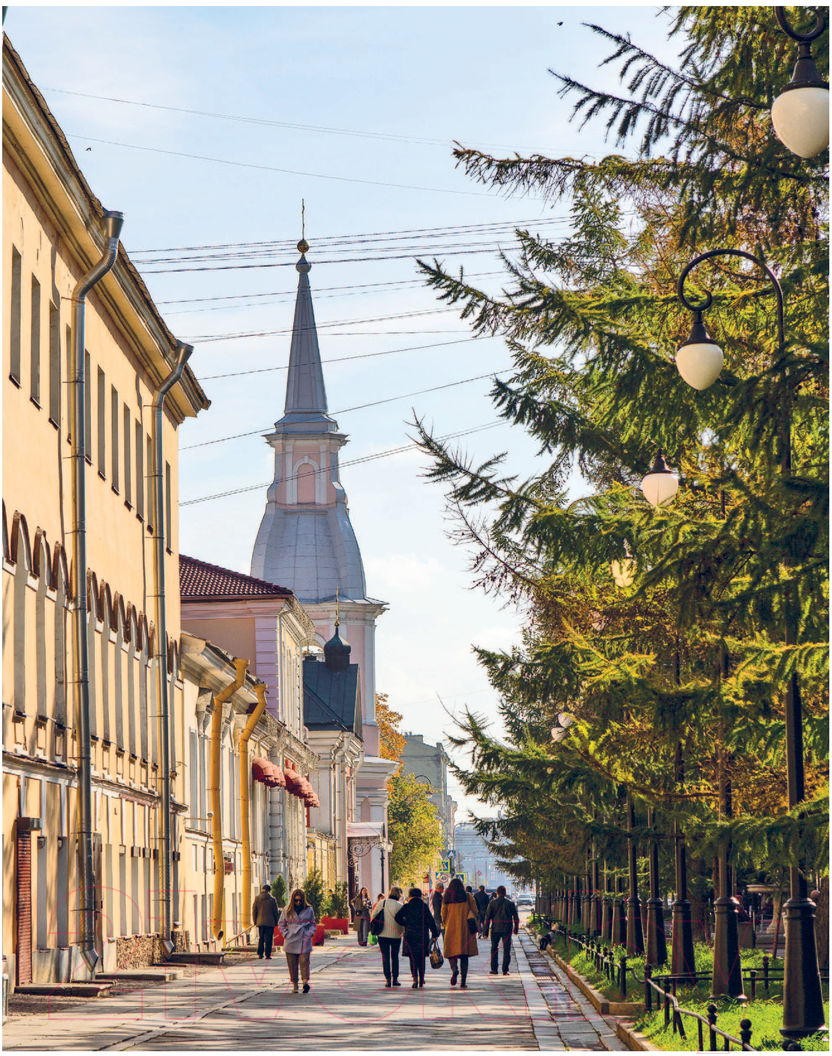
[
  {"x": 474, "y": 859},
  {"x": 429, "y": 764}
]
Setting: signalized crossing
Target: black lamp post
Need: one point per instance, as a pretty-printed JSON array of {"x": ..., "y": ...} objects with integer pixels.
[
  {"x": 606, "y": 908},
  {"x": 682, "y": 965},
  {"x": 800, "y": 115},
  {"x": 802, "y": 997},
  {"x": 635, "y": 933},
  {"x": 656, "y": 939}
]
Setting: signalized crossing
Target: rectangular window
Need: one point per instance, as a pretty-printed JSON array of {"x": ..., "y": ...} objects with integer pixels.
[
  {"x": 35, "y": 342},
  {"x": 70, "y": 374},
  {"x": 139, "y": 470},
  {"x": 168, "y": 508},
  {"x": 54, "y": 364},
  {"x": 102, "y": 423},
  {"x": 87, "y": 408},
  {"x": 114, "y": 409},
  {"x": 14, "y": 361},
  {"x": 128, "y": 458},
  {"x": 150, "y": 481}
]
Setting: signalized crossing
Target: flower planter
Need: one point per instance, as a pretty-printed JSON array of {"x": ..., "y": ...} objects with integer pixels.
[{"x": 336, "y": 924}]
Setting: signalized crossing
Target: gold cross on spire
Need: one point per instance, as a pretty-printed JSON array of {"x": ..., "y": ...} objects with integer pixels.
[{"x": 337, "y": 610}]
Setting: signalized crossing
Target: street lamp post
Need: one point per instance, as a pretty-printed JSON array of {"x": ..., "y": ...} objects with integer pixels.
[
  {"x": 800, "y": 114},
  {"x": 682, "y": 965},
  {"x": 656, "y": 940},
  {"x": 802, "y": 996},
  {"x": 635, "y": 933}
]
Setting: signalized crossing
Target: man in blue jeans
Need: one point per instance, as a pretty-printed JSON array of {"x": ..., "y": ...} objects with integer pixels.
[{"x": 502, "y": 921}]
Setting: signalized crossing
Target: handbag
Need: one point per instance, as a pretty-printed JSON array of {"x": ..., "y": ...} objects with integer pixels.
[
  {"x": 473, "y": 921},
  {"x": 377, "y": 923},
  {"x": 436, "y": 958}
]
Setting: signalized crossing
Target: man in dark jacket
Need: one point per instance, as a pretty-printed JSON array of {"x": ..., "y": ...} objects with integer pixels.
[
  {"x": 502, "y": 921},
  {"x": 481, "y": 898},
  {"x": 265, "y": 914},
  {"x": 436, "y": 903}
]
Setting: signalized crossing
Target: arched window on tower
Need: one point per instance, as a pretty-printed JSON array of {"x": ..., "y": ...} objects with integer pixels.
[{"x": 306, "y": 482}]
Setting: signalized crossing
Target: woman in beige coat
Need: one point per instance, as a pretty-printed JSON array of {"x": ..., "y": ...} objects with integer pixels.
[{"x": 458, "y": 907}]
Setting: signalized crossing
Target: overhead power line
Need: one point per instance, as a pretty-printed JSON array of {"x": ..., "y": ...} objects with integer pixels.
[
  {"x": 345, "y": 410},
  {"x": 247, "y": 119},
  {"x": 338, "y": 359},
  {"x": 350, "y": 462},
  {"x": 275, "y": 168}
]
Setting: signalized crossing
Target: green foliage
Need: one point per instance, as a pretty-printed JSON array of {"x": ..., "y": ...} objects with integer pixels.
[
  {"x": 279, "y": 890},
  {"x": 315, "y": 891},
  {"x": 415, "y": 830},
  {"x": 676, "y": 681},
  {"x": 339, "y": 901}
]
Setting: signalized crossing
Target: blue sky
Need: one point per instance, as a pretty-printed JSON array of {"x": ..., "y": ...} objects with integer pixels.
[{"x": 395, "y": 86}]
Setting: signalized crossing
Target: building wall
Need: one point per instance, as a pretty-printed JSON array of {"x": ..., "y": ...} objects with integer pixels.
[{"x": 49, "y": 239}]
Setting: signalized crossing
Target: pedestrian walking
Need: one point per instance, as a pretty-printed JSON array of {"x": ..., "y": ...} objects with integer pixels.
[
  {"x": 481, "y": 898},
  {"x": 419, "y": 925},
  {"x": 436, "y": 903},
  {"x": 501, "y": 920},
  {"x": 390, "y": 937},
  {"x": 297, "y": 922},
  {"x": 264, "y": 915},
  {"x": 461, "y": 919},
  {"x": 361, "y": 907}
]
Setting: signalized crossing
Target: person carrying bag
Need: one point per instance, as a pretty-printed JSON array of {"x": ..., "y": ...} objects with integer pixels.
[
  {"x": 461, "y": 919},
  {"x": 388, "y": 934}
]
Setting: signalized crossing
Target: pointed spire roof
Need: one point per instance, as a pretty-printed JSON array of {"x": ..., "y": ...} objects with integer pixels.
[{"x": 305, "y": 405}]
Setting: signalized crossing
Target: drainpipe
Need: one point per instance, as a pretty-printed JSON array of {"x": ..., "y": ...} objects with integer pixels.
[
  {"x": 113, "y": 222},
  {"x": 159, "y": 521},
  {"x": 253, "y": 719},
  {"x": 240, "y": 667}
]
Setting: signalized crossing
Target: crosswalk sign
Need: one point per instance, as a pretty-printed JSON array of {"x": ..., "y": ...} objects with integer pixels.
[{"x": 444, "y": 865}]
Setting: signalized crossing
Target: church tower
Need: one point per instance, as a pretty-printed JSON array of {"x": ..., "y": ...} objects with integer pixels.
[{"x": 306, "y": 541}]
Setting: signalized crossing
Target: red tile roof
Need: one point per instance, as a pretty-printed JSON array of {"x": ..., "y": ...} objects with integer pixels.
[{"x": 199, "y": 580}]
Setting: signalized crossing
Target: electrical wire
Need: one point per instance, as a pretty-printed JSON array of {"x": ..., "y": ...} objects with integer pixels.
[
  {"x": 345, "y": 410},
  {"x": 360, "y": 238},
  {"x": 338, "y": 359},
  {"x": 350, "y": 462},
  {"x": 271, "y": 122},
  {"x": 285, "y": 172},
  {"x": 320, "y": 326}
]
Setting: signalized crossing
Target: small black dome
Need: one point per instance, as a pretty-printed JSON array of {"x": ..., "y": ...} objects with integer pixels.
[{"x": 337, "y": 653}]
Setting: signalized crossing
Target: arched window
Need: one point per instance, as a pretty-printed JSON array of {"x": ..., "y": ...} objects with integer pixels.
[{"x": 306, "y": 472}]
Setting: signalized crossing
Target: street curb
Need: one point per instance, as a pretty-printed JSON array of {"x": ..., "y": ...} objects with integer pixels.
[
  {"x": 602, "y": 1004},
  {"x": 633, "y": 1039}
]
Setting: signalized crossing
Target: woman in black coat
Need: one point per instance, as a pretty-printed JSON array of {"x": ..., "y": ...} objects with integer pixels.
[{"x": 419, "y": 925}]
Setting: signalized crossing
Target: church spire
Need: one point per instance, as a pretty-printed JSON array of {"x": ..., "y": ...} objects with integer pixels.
[{"x": 305, "y": 391}]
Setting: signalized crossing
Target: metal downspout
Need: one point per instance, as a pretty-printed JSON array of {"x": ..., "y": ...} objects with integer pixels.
[
  {"x": 113, "y": 222},
  {"x": 245, "y": 831},
  {"x": 240, "y": 668},
  {"x": 159, "y": 522}
]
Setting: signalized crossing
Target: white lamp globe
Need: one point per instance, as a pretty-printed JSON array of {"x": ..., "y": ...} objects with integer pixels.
[
  {"x": 660, "y": 485},
  {"x": 623, "y": 572},
  {"x": 699, "y": 359},
  {"x": 801, "y": 119}
]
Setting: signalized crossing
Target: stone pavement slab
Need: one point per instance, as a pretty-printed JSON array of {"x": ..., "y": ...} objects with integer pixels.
[{"x": 250, "y": 1006}]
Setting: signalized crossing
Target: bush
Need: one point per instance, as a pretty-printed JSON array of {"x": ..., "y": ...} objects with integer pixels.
[
  {"x": 315, "y": 892},
  {"x": 339, "y": 902},
  {"x": 279, "y": 891}
]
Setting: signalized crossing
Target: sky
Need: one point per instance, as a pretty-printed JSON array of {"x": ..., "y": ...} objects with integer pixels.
[{"x": 352, "y": 110}]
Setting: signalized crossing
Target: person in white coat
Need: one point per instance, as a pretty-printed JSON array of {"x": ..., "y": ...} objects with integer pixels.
[{"x": 390, "y": 938}]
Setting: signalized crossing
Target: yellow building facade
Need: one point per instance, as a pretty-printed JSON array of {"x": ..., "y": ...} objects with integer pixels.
[{"x": 53, "y": 233}]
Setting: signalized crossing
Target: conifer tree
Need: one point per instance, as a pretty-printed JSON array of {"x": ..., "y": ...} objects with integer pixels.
[{"x": 694, "y": 650}]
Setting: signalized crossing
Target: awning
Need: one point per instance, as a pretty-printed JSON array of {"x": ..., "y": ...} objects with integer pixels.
[
  {"x": 274, "y": 777},
  {"x": 260, "y": 768},
  {"x": 365, "y": 830},
  {"x": 293, "y": 781}
]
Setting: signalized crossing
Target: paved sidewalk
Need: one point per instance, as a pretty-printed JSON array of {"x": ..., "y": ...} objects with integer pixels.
[{"x": 251, "y": 1007}]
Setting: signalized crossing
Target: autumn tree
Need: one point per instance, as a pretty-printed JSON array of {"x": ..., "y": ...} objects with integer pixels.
[{"x": 415, "y": 830}]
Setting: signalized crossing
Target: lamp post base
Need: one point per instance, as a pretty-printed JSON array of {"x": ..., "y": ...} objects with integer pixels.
[
  {"x": 682, "y": 963},
  {"x": 727, "y": 977},
  {"x": 635, "y": 933},
  {"x": 656, "y": 938},
  {"x": 802, "y": 997}
]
